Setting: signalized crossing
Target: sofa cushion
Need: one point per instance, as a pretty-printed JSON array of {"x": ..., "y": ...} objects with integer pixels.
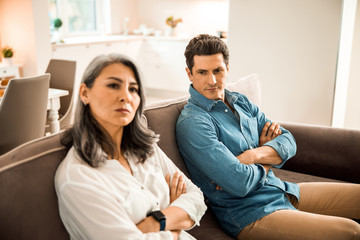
[
  {"x": 28, "y": 204},
  {"x": 249, "y": 86}
]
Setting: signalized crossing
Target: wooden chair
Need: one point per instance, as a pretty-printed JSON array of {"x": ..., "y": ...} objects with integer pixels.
[{"x": 23, "y": 110}]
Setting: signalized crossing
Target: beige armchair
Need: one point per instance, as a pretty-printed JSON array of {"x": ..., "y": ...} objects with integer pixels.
[{"x": 23, "y": 110}]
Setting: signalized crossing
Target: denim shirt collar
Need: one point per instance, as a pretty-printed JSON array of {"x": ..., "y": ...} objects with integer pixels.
[{"x": 207, "y": 104}]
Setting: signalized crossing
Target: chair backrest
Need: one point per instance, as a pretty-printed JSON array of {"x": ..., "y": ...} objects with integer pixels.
[
  {"x": 63, "y": 77},
  {"x": 28, "y": 202},
  {"x": 23, "y": 111}
]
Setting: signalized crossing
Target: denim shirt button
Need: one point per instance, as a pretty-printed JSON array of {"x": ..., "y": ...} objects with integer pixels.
[{"x": 226, "y": 110}]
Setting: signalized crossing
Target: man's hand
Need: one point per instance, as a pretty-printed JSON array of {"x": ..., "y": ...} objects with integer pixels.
[
  {"x": 269, "y": 132},
  {"x": 176, "y": 187}
]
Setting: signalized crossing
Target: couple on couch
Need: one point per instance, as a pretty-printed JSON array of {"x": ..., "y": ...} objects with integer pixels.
[{"x": 116, "y": 183}]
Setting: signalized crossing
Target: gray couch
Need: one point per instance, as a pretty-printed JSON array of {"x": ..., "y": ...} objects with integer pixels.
[{"x": 28, "y": 203}]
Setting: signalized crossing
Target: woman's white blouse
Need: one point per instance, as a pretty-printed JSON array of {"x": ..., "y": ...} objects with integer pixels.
[{"x": 107, "y": 202}]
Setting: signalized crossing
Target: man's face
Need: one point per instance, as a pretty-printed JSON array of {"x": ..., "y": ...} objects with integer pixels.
[{"x": 208, "y": 76}]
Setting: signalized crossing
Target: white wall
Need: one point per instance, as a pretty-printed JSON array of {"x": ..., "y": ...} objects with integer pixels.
[
  {"x": 12, "y": 36},
  {"x": 200, "y": 16},
  {"x": 292, "y": 45},
  {"x": 42, "y": 34},
  {"x": 352, "y": 115},
  {"x": 27, "y": 31},
  {"x": 121, "y": 9},
  {"x": 24, "y": 26}
]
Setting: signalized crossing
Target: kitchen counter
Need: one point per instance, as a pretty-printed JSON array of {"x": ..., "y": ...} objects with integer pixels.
[{"x": 113, "y": 38}]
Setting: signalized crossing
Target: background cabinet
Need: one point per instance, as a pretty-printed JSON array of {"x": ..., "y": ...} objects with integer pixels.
[
  {"x": 9, "y": 71},
  {"x": 160, "y": 60},
  {"x": 163, "y": 65}
]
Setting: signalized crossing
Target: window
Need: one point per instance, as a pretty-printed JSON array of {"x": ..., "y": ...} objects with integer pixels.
[{"x": 79, "y": 17}]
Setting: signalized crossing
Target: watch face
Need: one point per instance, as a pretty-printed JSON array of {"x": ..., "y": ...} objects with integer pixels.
[{"x": 158, "y": 215}]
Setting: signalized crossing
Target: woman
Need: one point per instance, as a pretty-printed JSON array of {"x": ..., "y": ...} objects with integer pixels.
[{"x": 115, "y": 182}]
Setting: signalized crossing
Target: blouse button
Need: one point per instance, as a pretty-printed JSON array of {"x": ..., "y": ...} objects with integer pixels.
[
  {"x": 142, "y": 188},
  {"x": 226, "y": 110},
  {"x": 157, "y": 203}
]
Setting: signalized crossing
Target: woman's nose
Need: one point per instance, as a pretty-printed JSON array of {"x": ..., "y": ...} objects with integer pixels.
[{"x": 125, "y": 95}]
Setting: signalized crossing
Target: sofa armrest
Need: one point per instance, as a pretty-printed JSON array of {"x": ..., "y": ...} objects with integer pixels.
[{"x": 325, "y": 151}]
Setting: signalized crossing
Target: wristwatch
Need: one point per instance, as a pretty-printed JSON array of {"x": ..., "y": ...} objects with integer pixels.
[{"x": 160, "y": 217}]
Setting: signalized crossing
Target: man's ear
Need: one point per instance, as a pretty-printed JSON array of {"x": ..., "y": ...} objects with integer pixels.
[{"x": 189, "y": 74}]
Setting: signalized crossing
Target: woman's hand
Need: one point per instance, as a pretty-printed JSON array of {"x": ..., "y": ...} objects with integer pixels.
[
  {"x": 269, "y": 132},
  {"x": 176, "y": 187}
]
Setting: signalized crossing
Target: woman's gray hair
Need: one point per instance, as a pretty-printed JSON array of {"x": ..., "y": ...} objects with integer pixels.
[{"x": 90, "y": 140}]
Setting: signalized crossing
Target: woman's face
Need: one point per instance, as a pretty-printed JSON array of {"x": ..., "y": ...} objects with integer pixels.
[{"x": 113, "y": 98}]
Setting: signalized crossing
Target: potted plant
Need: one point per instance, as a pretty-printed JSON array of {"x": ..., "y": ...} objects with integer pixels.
[
  {"x": 57, "y": 23},
  {"x": 172, "y": 22},
  {"x": 7, "y": 53}
]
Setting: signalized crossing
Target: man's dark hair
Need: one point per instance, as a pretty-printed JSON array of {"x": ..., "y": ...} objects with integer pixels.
[{"x": 205, "y": 44}]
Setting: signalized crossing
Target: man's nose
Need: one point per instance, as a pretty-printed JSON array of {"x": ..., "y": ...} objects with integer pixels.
[{"x": 212, "y": 79}]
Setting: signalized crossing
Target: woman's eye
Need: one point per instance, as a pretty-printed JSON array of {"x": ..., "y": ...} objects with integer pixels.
[
  {"x": 113, "y": 85},
  {"x": 134, "y": 90}
]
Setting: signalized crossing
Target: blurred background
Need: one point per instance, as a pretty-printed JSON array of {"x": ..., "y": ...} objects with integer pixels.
[{"x": 305, "y": 52}]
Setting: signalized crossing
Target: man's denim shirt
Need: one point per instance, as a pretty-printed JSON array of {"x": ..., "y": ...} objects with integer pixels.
[{"x": 210, "y": 136}]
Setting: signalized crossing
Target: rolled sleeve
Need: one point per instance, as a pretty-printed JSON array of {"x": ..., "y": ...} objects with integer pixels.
[{"x": 284, "y": 145}]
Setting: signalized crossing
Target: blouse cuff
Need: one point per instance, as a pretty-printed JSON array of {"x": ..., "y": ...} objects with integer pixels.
[{"x": 195, "y": 214}]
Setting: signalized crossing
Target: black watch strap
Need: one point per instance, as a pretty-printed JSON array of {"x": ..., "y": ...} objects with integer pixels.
[{"x": 160, "y": 217}]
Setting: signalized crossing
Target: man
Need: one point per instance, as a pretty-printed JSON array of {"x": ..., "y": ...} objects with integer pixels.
[{"x": 229, "y": 147}]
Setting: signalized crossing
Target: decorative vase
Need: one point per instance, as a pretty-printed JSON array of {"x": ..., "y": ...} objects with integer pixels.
[
  {"x": 171, "y": 32},
  {"x": 7, "y": 61},
  {"x": 57, "y": 36}
]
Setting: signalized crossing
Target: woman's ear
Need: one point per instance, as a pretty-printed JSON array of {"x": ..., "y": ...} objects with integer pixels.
[{"x": 83, "y": 93}]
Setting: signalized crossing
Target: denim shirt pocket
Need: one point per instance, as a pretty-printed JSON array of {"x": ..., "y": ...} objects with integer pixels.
[{"x": 253, "y": 127}]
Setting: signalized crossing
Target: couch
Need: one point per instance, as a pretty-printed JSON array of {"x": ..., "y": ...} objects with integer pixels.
[{"x": 28, "y": 203}]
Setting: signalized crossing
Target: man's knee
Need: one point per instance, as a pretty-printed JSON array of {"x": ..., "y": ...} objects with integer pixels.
[{"x": 350, "y": 229}]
